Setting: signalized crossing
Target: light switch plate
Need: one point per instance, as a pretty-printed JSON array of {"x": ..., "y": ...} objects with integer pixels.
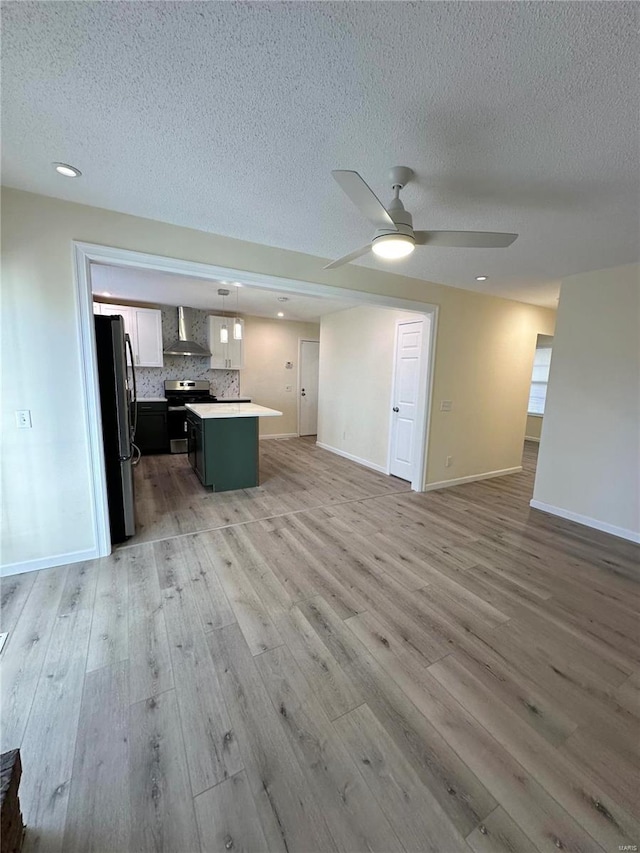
[{"x": 446, "y": 405}]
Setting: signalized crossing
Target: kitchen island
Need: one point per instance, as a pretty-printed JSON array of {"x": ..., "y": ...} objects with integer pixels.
[{"x": 223, "y": 443}]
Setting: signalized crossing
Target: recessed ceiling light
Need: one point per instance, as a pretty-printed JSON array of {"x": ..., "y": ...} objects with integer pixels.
[
  {"x": 67, "y": 170},
  {"x": 283, "y": 298},
  {"x": 238, "y": 284},
  {"x": 280, "y": 314},
  {"x": 482, "y": 277},
  {"x": 106, "y": 293}
]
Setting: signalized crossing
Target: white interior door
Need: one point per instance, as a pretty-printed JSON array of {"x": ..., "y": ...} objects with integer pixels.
[
  {"x": 309, "y": 361},
  {"x": 405, "y": 425}
]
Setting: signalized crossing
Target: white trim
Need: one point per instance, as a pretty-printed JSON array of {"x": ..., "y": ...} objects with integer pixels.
[
  {"x": 280, "y": 435},
  {"x": 424, "y": 398},
  {"x": 141, "y": 260},
  {"x": 459, "y": 481},
  {"x": 535, "y": 438},
  {"x": 90, "y": 390},
  {"x": 48, "y": 562},
  {"x": 431, "y": 357},
  {"x": 353, "y": 458},
  {"x": 612, "y": 529},
  {"x": 299, "y": 385}
]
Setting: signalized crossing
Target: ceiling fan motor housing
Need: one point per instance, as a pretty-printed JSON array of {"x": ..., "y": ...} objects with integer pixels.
[{"x": 402, "y": 219}]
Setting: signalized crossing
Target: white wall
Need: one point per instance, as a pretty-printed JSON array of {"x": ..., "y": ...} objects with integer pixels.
[
  {"x": 356, "y": 375},
  {"x": 268, "y": 346},
  {"x": 46, "y": 487},
  {"x": 47, "y": 507},
  {"x": 589, "y": 462}
]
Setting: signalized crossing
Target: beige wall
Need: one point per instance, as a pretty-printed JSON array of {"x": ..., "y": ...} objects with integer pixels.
[
  {"x": 590, "y": 451},
  {"x": 268, "y": 346},
  {"x": 46, "y": 469},
  {"x": 483, "y": 363},
  {"x": 484, "y": 359},
  {"x": 534, "y": 427},
  {"x": 356, "y": 375}
]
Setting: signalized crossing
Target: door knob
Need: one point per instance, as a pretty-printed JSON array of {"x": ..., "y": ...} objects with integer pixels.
[{"x": 396, "y": 409}]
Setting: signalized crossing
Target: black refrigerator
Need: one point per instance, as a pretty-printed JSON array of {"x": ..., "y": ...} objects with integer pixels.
[{"x": 118, "y": 405}]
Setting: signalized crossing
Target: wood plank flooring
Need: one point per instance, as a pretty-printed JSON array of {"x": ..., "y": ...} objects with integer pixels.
[{"x": 329, "y": 663}]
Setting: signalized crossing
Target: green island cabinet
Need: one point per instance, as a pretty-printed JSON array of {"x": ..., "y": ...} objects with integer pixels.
[{"x": 223, "y": 451}]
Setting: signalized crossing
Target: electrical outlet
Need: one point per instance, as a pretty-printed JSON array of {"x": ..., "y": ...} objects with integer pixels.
[
  {"x": 446, "y": 405},
  {"x": 23, "y": 418},
  {"x": 448, "y": 462}
]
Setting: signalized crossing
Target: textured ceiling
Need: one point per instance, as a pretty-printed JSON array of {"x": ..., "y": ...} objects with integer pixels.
[
  {"x": 228, "y": 117},
  {"x": 167, "y": 289}
]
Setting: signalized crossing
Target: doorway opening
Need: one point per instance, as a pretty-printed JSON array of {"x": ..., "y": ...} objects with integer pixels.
[{"x": 88, "y": 256}]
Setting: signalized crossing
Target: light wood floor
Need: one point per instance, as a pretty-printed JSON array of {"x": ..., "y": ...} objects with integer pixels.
[{"x": 342, "y": 665}]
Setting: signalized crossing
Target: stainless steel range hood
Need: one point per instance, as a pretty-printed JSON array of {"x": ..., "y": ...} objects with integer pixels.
[{"x": 185, "y": 345}]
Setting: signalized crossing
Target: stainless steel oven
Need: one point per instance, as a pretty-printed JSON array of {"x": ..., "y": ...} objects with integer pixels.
[{"x": 179, "y": 392}]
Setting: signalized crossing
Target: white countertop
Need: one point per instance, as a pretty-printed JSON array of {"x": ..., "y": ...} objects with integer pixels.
[
  {"x": 151, "y": 400},
  {"x": 231, "y": 410}
]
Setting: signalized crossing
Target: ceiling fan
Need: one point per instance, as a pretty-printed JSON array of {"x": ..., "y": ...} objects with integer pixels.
[{"x": 395, "y": 237}]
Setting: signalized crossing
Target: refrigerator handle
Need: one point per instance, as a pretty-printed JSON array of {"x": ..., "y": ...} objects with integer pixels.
[{"x": 134, "y": 424}]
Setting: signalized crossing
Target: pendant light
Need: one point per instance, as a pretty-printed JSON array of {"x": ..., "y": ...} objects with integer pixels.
[
  {"x": 237, "y": 325},
  {"x": 224, "y": 330}
]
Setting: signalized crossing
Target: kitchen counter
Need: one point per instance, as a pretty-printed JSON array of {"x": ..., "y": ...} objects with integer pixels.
[
  {"x": 223, "y": 443},
  {"x": 231, "y": 410}
]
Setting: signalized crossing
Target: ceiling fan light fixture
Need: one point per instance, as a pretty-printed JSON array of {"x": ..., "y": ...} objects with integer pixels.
[{"x": 393, "y": 246}]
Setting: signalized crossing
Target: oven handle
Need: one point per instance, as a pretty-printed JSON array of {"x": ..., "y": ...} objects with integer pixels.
[{"x": 176, "y": 408}]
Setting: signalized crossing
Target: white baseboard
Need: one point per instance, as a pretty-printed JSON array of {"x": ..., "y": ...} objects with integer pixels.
[
  {"x": 380, "y": 468},
  {"x": 48, "y": 562},
  {"x": 280, "y": 435},
  {"x": 621, "y": 532},
  {"x": 532, "y": 438},
  {"x": 459, "y": 481}
]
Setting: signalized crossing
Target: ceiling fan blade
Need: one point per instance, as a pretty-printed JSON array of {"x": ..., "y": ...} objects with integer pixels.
[
  {"x": 364, "y": 198},
  {"x": 465, "y": 239},
  {"x": 347, "y": 258}
]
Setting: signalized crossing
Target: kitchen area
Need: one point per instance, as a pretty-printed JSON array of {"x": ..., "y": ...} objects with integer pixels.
[{"x": 180, "y": 419}]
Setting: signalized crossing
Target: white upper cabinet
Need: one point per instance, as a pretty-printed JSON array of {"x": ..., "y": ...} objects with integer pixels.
[
  {"x": 229, "y": 356},
  {"x": 144, "y": 327},
  {"x": 148, "y": 334}
]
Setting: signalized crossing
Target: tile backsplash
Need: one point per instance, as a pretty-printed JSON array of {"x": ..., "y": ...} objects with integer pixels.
[{"x": 150, "y": 380}]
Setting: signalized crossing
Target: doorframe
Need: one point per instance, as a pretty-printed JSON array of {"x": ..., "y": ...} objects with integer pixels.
[
  {"x": 300, "y": 342},
  {"x": 84, "y": 254},
  {"x": 425, "y": 383}
]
